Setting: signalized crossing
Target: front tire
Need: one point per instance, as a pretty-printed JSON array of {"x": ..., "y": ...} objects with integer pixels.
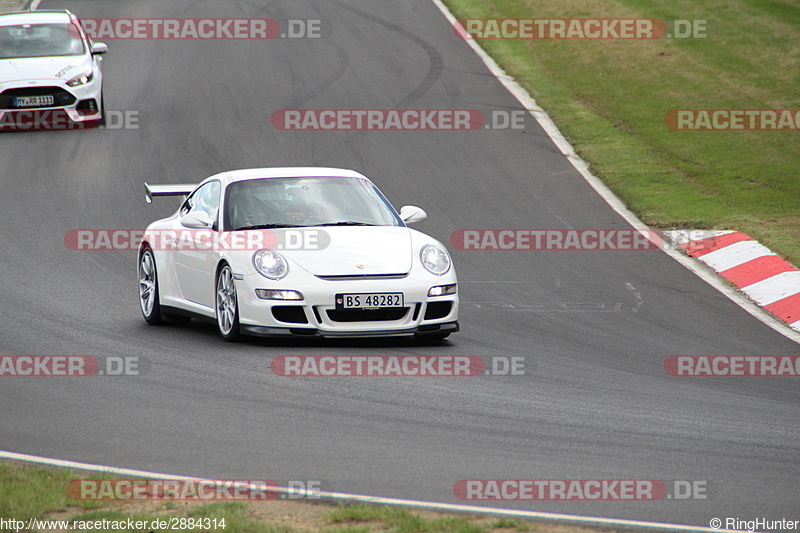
[
  {"x": 148, "y": 288},
  {"x": 227, "y": 305},
  {"x": 102, "y": 121}
]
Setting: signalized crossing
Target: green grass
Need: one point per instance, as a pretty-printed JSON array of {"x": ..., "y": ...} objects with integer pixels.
[
  {"x": 511, "y": 523},
  {"x": 28, "y": 491},
  {"x": 232, "y": 512},
  {"x": 609, "y": 98},
  {"x": 32, "y": 492},
  {"x": 401, "y": 520}
]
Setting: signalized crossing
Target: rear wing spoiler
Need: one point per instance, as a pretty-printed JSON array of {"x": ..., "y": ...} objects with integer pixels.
[{"x": 167, "y": 190}]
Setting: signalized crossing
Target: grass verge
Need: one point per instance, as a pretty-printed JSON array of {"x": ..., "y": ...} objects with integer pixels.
[
  {"x": 610, "y": 98},
  {"x": 28, "y": 491}
]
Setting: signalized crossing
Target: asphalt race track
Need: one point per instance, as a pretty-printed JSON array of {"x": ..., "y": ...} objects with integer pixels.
[{"x": 594, "y": 327}]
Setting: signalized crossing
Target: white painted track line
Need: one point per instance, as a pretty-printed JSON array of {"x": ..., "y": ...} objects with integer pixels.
[
  {"x": 423, "y": 505},
  {"x": 618, "y": 206}
]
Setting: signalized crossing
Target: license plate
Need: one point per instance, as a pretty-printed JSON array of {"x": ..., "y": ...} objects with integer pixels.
[
  {"x": 370, "y": 300},
  {"x": 33, "y": 101}
]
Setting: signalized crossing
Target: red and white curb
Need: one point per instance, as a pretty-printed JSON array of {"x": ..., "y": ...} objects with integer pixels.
[
  {"x": 767, "y": 279},
  {"x": 605, "y": 193}
]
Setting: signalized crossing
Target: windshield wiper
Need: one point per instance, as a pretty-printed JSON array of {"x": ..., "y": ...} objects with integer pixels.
[
  {"x": 269, "y": 226},
  {"x": 345, "y": 223}
]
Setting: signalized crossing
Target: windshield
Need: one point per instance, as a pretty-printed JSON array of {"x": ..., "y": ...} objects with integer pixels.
[
  {"x": 40, "y": 40},
  {"x": 302, "y": 202}
]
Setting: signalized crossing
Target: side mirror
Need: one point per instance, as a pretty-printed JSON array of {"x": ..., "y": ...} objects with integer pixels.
[
  {"x": 197, "y": 220},
  {"x": 99, "y": 49},
  {"x": 411, "y": 214}
]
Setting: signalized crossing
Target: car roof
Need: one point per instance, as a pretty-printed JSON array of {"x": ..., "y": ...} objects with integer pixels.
[
  {"x": 286, "y": 172},
  {"x": 36, "y": 17}
]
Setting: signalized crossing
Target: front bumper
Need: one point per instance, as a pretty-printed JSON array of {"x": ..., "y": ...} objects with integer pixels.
[
  {"x": 317, "y": 316},
  {"x": 421, "y": 331},
  {"x": 77, "y": 104}
]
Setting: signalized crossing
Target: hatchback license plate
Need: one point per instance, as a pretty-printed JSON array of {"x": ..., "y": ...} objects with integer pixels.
[{"x": 33, "y": 101}]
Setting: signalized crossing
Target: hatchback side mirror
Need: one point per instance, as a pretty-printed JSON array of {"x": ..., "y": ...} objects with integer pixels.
[{"x": 99, "y": 49}]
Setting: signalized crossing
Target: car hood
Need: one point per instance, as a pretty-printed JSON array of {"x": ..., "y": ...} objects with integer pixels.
[
  {"x": 43, "y": 68},
  {"x": 378, "y": 249}
]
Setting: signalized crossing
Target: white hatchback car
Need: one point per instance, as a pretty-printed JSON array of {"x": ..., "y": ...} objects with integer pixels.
[
  {"x": 295, "y": 252},
  {"x": 48, "y": 64}
]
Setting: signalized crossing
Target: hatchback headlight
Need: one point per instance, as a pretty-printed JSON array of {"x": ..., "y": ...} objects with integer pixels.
[
  {"x": 83, "y": 79},
  {"x": 435, "y": 259},
  {"x": 270, "y": 264}
]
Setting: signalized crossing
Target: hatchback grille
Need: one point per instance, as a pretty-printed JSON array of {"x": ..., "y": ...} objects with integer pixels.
[{"x": 61, "y": 98}]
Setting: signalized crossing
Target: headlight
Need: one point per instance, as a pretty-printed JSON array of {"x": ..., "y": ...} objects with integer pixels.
[
  {"x": 83, "y": 79},
  {"x": 270, "y": 264},
  {"x": 435, "y": 259}
]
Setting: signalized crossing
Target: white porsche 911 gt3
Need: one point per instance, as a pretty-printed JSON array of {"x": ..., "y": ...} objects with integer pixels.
[
  {"x": 295, "y": 252},
  {"x": 48, "y": 64}
]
